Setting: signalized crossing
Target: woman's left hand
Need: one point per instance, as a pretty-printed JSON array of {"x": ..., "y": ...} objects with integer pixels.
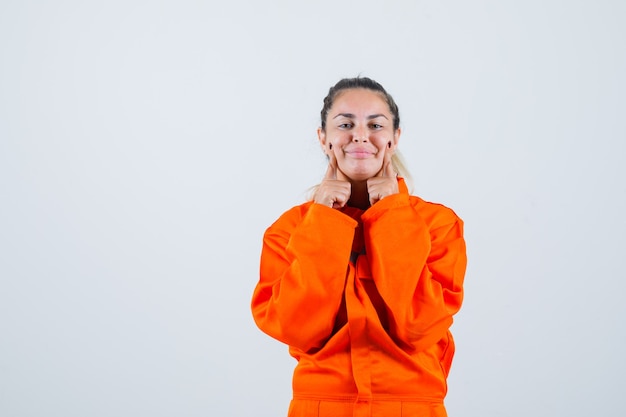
[{"x": 384, "y": 183}]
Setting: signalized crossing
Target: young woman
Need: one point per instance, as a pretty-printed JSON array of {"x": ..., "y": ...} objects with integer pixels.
[{"x": 362, "y": 281}]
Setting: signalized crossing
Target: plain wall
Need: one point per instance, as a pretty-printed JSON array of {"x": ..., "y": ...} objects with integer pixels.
[{"x": 146, "y": 145}]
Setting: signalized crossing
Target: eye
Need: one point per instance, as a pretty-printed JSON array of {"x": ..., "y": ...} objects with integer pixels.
[
  {"x": 376, "y": 126},
  {"x": 345, "y": 125}
]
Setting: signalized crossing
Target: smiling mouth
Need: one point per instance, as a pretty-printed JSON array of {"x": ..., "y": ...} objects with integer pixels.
[{"x": 360, "y": 154}]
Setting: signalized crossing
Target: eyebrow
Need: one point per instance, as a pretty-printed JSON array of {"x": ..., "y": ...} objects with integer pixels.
[{"x": 351, "y": 116}]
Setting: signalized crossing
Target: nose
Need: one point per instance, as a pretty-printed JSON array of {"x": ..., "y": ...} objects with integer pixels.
[{"x": 359, "y": 134}]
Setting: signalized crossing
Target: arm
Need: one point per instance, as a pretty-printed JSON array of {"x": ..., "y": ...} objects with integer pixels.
[
  {"x": 418, "y": 264},
  {"x": 304, "y": 262}
]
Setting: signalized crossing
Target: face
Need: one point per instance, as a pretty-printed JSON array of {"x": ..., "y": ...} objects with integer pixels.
[{"x": 359, "y": 130}]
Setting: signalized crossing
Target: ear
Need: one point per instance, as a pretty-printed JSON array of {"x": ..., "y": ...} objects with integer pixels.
[
  {"x": 321, "y": 137},
  {"x": 396, "y": 139}
]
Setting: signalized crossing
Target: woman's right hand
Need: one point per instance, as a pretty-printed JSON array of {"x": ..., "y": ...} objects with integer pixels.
[{"x": 332, "y": 192}]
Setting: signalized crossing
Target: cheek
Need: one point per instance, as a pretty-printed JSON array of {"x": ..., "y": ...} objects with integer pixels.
[
  {"x": 334, "y": 143},
  {"x": 383, "y": 144},
  {"x": 329, "y": 146}
]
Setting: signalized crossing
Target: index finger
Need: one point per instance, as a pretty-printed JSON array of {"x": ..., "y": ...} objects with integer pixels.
[
  {"x": 387, "y": 169},
  {"x": 331, "y": 172}
]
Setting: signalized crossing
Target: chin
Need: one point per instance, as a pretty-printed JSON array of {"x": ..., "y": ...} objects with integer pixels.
[
  {"x": 361, "y": 171},
  {"x": 361, "y": 175}
]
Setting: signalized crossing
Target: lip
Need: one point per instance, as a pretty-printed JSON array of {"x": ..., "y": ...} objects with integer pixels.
[{"x": 359, "y": 153}]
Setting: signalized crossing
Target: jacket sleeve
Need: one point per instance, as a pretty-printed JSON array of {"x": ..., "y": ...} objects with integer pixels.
[
  {"x": 304, "y": 262},
  {"x": 418, "y": 264}
]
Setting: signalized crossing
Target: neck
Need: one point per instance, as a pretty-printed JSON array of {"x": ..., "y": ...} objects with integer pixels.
[{"x": 359, "y": 197}]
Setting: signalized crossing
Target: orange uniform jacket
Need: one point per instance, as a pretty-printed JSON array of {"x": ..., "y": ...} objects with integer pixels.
[{"x": 364, "y": 299}]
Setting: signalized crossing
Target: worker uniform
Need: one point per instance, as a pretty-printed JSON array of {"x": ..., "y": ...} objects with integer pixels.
[{"x": 365, "y": 300}]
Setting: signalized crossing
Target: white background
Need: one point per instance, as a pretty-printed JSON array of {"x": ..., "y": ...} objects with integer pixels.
[{"x": 146, "y": 145}]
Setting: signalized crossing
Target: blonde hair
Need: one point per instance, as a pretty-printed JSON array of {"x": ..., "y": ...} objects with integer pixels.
[{"x": 397, "y": 160}]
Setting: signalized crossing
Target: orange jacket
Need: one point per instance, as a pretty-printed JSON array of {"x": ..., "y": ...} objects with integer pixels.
[{"x": 364, "y": 299}]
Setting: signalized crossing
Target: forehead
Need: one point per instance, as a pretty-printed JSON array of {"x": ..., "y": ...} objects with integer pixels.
[{"x": 360, "y": 100}]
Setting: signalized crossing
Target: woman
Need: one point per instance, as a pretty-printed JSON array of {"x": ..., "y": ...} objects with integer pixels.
[{"x": 362, "y": 281}]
